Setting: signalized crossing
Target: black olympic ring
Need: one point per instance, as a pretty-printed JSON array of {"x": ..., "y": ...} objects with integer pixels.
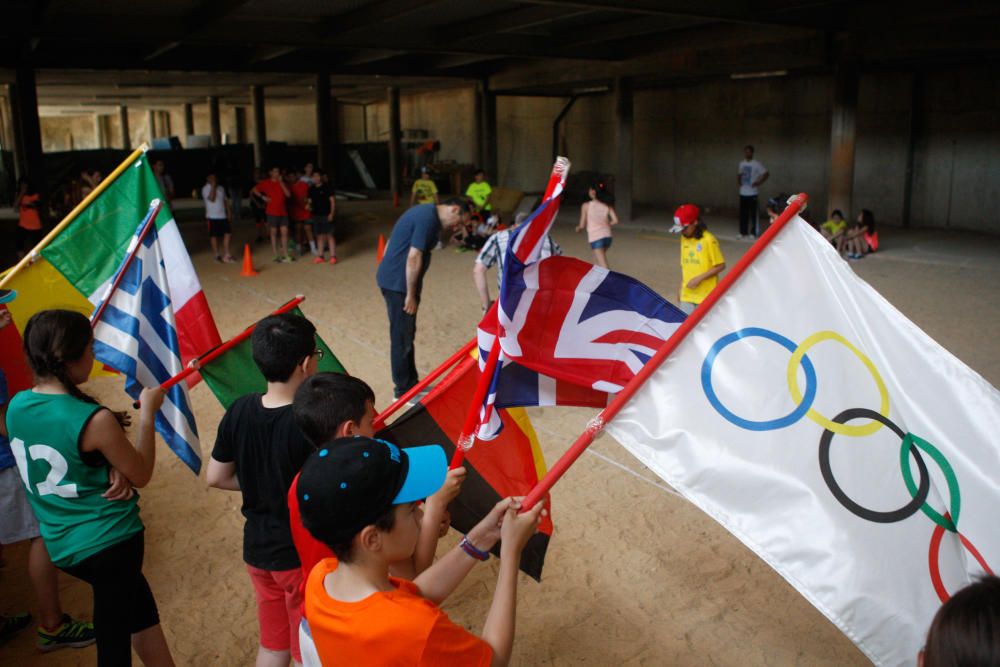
[{"x": 878, "y": 517}]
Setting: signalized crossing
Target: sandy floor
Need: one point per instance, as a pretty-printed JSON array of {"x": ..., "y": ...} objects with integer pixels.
[{"x": 635, "y": 575}]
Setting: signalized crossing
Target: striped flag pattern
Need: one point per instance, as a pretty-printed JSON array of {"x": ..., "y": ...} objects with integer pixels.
[{"x": 137, "y": 336}]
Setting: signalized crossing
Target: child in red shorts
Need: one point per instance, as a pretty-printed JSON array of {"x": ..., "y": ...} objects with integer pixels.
[{"x": 258, "y": 451}]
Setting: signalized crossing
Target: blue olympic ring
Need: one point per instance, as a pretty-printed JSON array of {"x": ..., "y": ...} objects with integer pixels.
[{"x": 772, "y": 424}]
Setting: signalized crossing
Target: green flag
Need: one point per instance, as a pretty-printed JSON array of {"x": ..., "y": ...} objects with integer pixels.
[{"x": 234, "y": 373}]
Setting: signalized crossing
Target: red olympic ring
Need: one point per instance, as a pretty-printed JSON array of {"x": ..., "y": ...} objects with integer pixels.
[{"x": 934, "y": 554}]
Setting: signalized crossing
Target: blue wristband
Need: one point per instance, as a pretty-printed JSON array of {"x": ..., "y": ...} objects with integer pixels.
[{"x": 468, "y": 548}]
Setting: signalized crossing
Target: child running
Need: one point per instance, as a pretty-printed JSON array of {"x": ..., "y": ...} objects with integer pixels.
[
  {"x": 360, "y": 496},
  {"x": 258, "y": 451},
  {"x": 598, "y": 216},
  {"x": 69, "y": 451}
]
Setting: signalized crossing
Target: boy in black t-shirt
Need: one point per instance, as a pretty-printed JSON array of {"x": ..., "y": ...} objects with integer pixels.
[
  {"x": 323, "y": 206},
  {"x": 258, "y": 451}
]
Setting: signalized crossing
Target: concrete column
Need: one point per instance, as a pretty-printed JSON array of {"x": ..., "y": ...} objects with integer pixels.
[
  {"x": 151, "y": 122},
  {"x": 240, "y": 120},
  {"x": 259, "y": 125},
  {"x": 16, "y": 139},
  {"x": 126, "y": 139},
  {"x": 324, "y": 127},
  {"x": 395, "y": 147},
  {"x": 488, "y": 148},
  {"x": 165, "y": 129},
  {"x": 28, "y": 131},
  {"x": 214, "y": 121},
  {"x": 188, "y": 120},
  {"x": 99, "y": 130},
  {"x": 477, "y": 123},
  {"x": 915, "y": 130},
  {"x": 842, "y": 138},
  {"x": 625, "y": 122}
]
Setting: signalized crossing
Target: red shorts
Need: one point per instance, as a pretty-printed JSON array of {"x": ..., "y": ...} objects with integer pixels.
[{"x": 279, "y": 608}]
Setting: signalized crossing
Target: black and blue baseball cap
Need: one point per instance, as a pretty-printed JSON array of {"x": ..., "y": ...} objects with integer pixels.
[
  {"x": 7, "y": 295},
  {"x": 350, "y": 482}
]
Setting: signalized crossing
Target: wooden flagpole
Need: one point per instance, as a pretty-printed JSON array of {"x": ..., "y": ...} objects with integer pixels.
[
  {"x": 597, "y": 424},
  {"x": 32, "y": 256}
]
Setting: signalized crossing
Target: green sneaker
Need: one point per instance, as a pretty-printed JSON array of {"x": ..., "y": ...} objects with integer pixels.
[
  {"x": 72, "y": 633},
  {"x": 11, "y": 625}
]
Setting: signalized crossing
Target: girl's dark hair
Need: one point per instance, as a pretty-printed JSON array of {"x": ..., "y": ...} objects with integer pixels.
[
  {"x": 603, "y": 196},
  {"x": 53, "y": 338},
  {"x": 868, "y": 220},
  {"x": 837, "y": 212},
  {"x": 965, "y": 631},
  {"x": 699, "y": 229}
]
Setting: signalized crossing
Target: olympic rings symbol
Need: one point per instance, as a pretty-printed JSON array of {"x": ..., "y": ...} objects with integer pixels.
[{"x": 911, "y": 445}]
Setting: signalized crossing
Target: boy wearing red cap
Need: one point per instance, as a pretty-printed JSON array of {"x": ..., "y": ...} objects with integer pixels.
[
  {"x": 359, "y": 496},
  {"x": 701, "y": 257}
]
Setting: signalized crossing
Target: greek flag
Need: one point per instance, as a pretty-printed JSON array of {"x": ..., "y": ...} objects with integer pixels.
[{"x": 136, "y": 336}]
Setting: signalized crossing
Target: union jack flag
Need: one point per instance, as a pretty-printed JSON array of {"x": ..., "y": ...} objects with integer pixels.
[{"x": 569, "y": 332}]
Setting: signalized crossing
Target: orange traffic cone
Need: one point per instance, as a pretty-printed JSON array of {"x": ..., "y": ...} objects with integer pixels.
[
  {"x": 248, "y": 270},
  {"x": 380, "y": 253}
]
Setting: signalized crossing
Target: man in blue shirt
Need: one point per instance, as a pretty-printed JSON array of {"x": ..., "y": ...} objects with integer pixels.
[{"x": 400, "y": 276}]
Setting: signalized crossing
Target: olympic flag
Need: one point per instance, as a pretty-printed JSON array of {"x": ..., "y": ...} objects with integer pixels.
[{"x": 834, "y": 438}]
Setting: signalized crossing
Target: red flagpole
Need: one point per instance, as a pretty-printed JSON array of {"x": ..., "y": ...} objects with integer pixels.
[
  {"x": 383, "y": 416},
  {"x": 145, "y": 225},
  {"x": 607, "y": 414},
  {"x": 195, "y": 364},
  {"x": 468, "y": 434}
]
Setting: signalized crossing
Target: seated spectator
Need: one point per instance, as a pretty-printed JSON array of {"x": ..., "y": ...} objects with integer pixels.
[
  {"x": 776, "y": 205},
  {"x": 862, "y": 237},
  {"x": 834, "y": 230}
]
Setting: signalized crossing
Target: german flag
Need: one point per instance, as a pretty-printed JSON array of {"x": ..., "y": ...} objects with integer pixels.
[{"x": 510, "y": 465}]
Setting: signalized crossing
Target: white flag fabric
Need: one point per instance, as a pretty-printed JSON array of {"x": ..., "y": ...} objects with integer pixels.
[
  {"x": 833, "y": 437},
  {"x": 137, "y": 336}
]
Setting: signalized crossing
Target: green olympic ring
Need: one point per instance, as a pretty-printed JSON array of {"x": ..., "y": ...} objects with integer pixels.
[{"x": 955, "y": 498}]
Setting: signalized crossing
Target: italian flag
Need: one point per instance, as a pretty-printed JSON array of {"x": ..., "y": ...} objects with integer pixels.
[
  {"x": 73, "y": 268},
  {"x": 232, "y": 373}
]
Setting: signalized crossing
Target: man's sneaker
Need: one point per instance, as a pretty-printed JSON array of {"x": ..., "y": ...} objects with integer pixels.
[
  {"x": 11, "y": 625},
  {"x": 72, "y": 634},
  {"x": 333, "y": 260}
]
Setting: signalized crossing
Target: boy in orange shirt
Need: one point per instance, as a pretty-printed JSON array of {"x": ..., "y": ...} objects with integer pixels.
[{"x": 359, "y": 496}]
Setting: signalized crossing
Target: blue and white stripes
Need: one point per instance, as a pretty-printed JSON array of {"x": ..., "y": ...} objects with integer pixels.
[{"x": 136, "y": 336}]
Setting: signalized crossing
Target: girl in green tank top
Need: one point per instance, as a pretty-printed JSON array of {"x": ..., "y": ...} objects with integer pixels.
[{"x": 78, "y": 468}]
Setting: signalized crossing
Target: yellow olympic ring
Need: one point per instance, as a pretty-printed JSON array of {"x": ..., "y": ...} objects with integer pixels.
[{"x": 793, "y": 385}]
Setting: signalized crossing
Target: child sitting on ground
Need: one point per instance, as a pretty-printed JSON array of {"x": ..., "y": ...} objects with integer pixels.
[
  {"x": 328, "y": 406},
  {"x": 359, "y": 497},
  {"x": 861, "y": 237},
  {"x": 834, "y": 230},
  {"x": 258, "y": 450}
]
